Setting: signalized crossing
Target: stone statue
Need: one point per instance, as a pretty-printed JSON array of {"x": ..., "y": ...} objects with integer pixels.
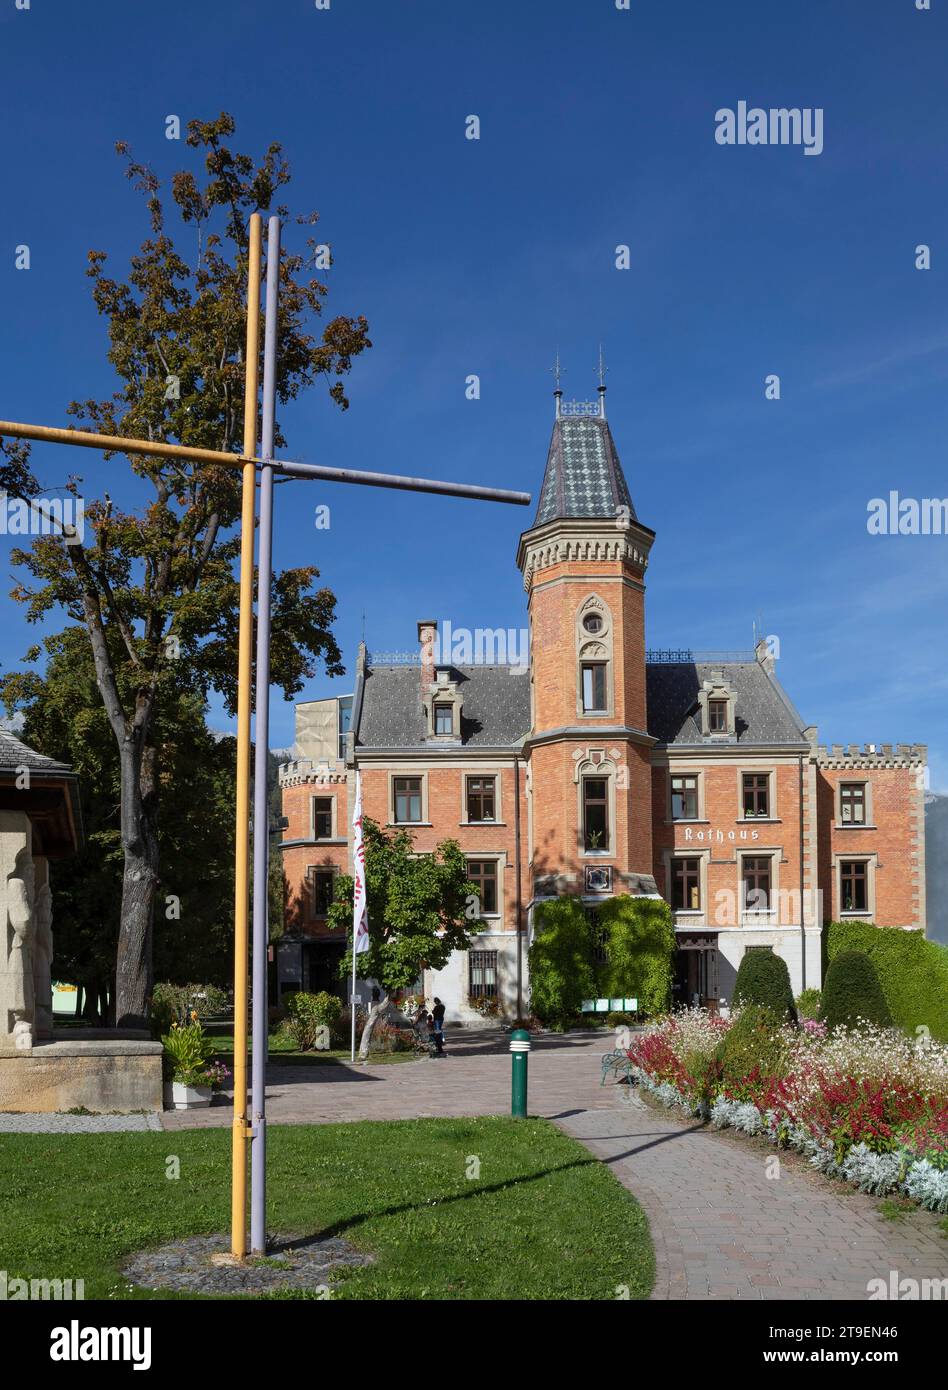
[
  {"x": 16, "y": 932},
  {"x": 42, "y": 950}
]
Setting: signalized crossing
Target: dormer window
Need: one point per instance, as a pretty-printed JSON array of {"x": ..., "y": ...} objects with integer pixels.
[
  {"x": 716, "y": 705},
  {"x": 442, "y": 707}
]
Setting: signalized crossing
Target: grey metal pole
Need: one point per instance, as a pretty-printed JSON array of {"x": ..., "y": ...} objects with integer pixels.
[
  {"x": 403, "y": 483},
  {"x": 519, "y": 890},
  {"x": 261, "y": 835}
]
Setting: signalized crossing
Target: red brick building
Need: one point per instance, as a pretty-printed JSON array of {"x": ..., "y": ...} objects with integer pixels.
[{"x": 617, "y": 770}]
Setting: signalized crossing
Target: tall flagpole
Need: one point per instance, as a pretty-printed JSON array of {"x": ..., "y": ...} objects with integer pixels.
[
  {"x": 352, "y": 997},
  {"x": 240, "y": 1135},
  {"x": 261, "y": 836},
  {"x": 360, "y": 908}
]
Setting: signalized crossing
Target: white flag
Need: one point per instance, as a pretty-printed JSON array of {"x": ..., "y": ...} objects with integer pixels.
[{"x": 360, "y": 908}]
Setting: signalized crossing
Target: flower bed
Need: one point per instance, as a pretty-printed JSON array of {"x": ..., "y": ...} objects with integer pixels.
[{"x": 868, "y": 1105}]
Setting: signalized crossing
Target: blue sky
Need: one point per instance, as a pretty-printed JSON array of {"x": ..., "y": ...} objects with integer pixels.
[{"x": 597, "y": 129}]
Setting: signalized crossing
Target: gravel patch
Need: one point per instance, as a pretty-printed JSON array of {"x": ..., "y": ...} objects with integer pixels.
[
  {"x": 203, "y": 1264},
  {"x": 61, "y": 1123}
]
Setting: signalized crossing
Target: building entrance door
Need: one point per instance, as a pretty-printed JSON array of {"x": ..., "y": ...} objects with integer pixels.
[{"x": 697, "y": 970}]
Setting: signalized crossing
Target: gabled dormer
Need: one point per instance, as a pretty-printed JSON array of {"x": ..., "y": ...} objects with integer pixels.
[
  {"x": 442, "y": 702},
  {"x": 717, "y": 705}
]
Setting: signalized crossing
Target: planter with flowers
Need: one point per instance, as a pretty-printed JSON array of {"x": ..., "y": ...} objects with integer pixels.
[{"x": 191, "y": 1077}]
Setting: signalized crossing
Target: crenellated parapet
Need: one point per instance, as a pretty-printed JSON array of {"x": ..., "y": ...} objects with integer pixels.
[{"x": 305, "y": 771}]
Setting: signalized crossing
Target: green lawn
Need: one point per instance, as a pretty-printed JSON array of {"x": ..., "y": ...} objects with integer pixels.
[
  {"x": 543, "y": 1220},
  {"x": 282, "y": 1051}
]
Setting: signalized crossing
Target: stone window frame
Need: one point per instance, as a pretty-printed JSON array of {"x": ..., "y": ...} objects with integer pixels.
[
  {"x": 408, "y": 772},
  {"x": 759, "y": 917},
  {"x": 495, "y": 920},
  {"x": 871, "y": 860},
  {"x": 595, "y": 647},
  {"x": 757, "y": 770},
  {"x": 311, "y": 871},
  {"x": 605, "y": 768},
  {"x": 495, "y": 773},
  {"x": 333, "y": 831},
  {"x": 717, "y": 688},
  {"x": 683, "y": 771},
  {"x": 442, "y": 691},
  {"x": 866, "y": 784},
  {"x": 690, "y": 916}
]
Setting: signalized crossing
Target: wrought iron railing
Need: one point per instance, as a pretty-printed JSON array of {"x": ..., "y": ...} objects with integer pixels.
[{"x": 676, "y": 656}]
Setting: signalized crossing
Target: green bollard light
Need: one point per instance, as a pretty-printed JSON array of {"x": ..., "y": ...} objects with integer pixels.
[{"x": 519, "y": 1056}]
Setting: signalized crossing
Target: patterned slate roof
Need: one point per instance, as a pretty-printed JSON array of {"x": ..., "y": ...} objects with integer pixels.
[
  {"x": 763, "y": 713},
  {"x": 495, "y": 712},
  {"x": 496, "y": 709},
  {"x": 583, "y": 475}
]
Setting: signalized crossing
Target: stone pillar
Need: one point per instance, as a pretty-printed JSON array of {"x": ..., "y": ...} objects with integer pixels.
[
  {"x": 42, "y": 949},
  {"x": 16, "y": 932}
]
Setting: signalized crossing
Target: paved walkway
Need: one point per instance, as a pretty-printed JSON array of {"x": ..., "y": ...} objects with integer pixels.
[{"x": 722, "y": 1228}]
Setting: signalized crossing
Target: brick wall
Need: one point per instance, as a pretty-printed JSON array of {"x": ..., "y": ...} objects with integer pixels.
[
  {"x": 894, "y": 837},
  {"x": 721, "y": 835}
]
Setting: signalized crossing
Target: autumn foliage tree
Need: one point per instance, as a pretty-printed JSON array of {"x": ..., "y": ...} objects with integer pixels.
[{"x": 155, "y": 589}]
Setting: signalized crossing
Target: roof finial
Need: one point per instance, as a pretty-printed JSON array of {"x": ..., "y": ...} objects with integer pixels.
[
  {"x": 601, "y": 388},
  {"x": 557, "y": 373}
]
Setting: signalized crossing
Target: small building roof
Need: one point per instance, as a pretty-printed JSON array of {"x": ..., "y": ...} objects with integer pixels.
[{"x": 51, "y": 800}]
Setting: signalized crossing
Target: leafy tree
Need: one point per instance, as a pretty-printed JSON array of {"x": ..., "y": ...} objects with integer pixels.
[
  {"x": 851, "y": 991},
  {"x": 763, "y": 978},
  {"x": 422, "y": 908},
  {"x": 64, "y": 718},
  {"x": 639, "y": 941},
  {"x": 560, "y": 958},
  {"x": 156, "y": 590}
]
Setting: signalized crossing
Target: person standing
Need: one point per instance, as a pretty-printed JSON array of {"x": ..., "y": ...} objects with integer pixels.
[{"x": 437, "y": 1014}]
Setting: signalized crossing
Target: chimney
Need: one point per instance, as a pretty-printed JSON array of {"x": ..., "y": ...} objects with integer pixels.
[
  {"x": 427, "y": 638},
  {"x": 765, "y": 655}
]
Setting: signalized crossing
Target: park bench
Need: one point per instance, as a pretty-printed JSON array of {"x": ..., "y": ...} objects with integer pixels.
[{"x": 617, "y": 1061}]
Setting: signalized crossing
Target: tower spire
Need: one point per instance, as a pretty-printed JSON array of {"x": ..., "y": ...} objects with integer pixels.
[
  {"x": 557, "y": 373},
  {"x": 601, "y": 388}
]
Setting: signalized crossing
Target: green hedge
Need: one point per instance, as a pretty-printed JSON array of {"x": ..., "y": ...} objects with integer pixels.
[
  {"x": 852, "y": 992},
  {"x": 763, "y": 978},
  {"x": 640, "y": 947},
  {"x": 913, "y": 972},
  {"x": 561, "y": 966}
]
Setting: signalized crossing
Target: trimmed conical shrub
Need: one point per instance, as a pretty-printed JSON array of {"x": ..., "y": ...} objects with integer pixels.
[
  {"x": 852, "y": 991},
  {"x": 763, "y": 978}
]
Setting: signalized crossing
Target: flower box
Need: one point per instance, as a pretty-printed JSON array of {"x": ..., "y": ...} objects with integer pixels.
[{"x": 179, "y": 1096}]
